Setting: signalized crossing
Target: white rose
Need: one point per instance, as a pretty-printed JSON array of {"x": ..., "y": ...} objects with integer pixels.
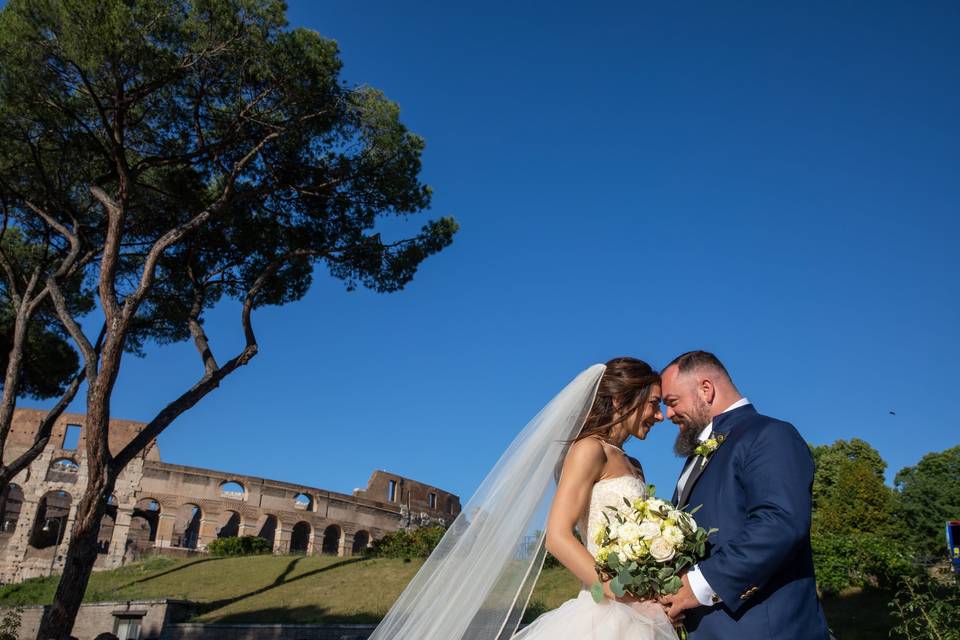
[
  {"x": 662, "y": 549},
  {"x": 674, "y": 535},
  {"x": 649, "y": 530},
  {"x": 676, "y": 515},
  {"x": 629, "y": 532}
]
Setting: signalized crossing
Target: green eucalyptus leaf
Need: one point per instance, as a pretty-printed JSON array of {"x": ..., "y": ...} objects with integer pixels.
[
  {"x": 672, "y": 585},
  {"x": 596, "y": 590},
  {"x": 617, "y": 587}
]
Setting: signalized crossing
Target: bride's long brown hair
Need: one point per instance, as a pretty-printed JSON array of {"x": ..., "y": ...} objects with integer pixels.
[{"x": 624, "y": 388}]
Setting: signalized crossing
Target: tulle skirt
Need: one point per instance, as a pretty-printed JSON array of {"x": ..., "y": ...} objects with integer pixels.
[{"x": 584, "y": 619}]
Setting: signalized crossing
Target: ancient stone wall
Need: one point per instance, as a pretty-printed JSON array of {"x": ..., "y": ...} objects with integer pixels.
[
  {"x": 159, "y": 507},
  {"x": 421, "y": 504}
]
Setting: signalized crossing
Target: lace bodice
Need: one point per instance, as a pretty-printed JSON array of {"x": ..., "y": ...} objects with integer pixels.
[{"x": 608, "y": 492}]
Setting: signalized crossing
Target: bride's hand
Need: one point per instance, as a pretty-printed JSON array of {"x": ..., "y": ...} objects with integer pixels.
[{"x": 649, "y": 607}]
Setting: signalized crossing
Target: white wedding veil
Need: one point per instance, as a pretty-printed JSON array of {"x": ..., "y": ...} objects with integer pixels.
[{"x": 476, "y": 583}]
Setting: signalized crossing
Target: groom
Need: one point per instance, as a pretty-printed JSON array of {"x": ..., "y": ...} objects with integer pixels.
[{"x": 752, "y": 475}]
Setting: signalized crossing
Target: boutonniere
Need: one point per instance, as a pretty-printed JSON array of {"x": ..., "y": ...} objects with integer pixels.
[{"x": 708, "y": 447}]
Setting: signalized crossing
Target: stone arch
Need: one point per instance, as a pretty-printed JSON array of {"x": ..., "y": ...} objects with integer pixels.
[
  {"x": 63, "y": 470},
  {"x": 107, "y": 522},
  {"x": 186, "y": 528},
  {"x": 144, "y": 521},
  {"x": 50, "y": 525},
  {"x": 267, "y": 528},
  {"x": 10, "y": 505},
  {"x": 229, "y": 526},
  {"x": 361, "y": 540},
  {"x": 303, "y": 502},
  {"x": 300, "y": 537},
  {"x": 331, "y": 540},
  {"x": 233, "y": 490}
]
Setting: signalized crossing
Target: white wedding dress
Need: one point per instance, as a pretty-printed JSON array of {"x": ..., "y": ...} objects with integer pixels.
[{"x": 584, "y": 619}]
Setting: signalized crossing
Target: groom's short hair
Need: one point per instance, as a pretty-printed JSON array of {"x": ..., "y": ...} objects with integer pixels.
[{"x": 694, "y": 360}]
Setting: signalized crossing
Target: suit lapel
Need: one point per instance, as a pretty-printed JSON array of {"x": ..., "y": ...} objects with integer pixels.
[
  {"x": 723, "y": 423},
  {"x": 699, "y": 465},
  {"x": 677, "y": 487}
]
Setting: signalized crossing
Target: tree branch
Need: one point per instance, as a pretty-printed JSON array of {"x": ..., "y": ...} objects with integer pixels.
[
  {"x": 53, "y": 222},
  {"x": 196, "y": 328},
  {"x": 87, "y": 349},
  {"x": 211, "y": 378},
  {"x": 42, "y": 437},
  {"x": 12, "y": 284},
  {"x": 111, "y": 251},
  {"x": 133, "y": 301}
]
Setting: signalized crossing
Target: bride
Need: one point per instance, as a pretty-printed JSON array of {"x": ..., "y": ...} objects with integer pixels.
[{"x": 563, "y": 468}]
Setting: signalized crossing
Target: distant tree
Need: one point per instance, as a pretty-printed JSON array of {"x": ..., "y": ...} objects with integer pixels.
[
  {"x": 857, "y": 502},
  {"x": 180, "y": 153},
  {"x": 854, "y": 530},
  {"x": 830, "y": 459},
  {"x": 929, "y": 497}
]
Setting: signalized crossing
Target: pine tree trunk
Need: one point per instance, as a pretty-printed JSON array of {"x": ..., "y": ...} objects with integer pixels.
[
  {"x": 82, "y": 549},
  {"x": 81, "y": 554}
]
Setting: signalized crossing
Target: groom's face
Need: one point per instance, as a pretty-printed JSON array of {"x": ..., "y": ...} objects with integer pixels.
[{"x": 686, "y": 407}]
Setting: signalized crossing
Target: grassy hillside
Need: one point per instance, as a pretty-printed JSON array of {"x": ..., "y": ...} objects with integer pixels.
[
  {"x": 268, "y": 588},
  {"x": 327, "y": 589}
]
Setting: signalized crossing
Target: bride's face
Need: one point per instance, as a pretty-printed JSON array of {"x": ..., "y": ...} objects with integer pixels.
[{"x": 646, "y": 416}]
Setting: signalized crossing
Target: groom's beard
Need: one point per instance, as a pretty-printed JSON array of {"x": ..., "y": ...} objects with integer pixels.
[{"x": 688, "y": 439}]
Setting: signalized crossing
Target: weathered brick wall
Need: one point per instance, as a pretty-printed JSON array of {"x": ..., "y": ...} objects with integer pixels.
[
  {"x": 96, "y": 618},
  {"x": 268, "y": 631},
  {"x": 413, "y": 496}
]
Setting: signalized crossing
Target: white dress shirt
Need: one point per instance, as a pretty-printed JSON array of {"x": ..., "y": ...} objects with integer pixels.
[{"x": 698, "y": 584}]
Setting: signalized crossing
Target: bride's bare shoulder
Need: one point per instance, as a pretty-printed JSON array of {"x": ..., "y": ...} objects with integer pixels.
[{"x": 585, "y": 455}]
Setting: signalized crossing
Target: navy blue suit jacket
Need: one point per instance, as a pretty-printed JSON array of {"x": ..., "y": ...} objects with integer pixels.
[{"x": 756, "y": 489}]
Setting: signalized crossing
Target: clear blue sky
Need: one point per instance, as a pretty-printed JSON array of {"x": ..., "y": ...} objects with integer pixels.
[{"x": 777, "y": 184}]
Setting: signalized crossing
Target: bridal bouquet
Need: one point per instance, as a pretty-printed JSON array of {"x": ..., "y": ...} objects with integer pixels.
[{"x": 644, "y": 547}]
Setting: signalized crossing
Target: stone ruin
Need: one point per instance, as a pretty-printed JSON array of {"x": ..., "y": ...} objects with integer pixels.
[{"x": 176, "y": 510}]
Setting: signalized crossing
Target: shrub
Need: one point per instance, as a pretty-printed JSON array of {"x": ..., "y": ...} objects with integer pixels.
[
  {"x": 10, "y": 624},
  {"x": 927, "y": 608},
  {"x": 239, "y": 546},
  {"x": 407, "y": 543},
  {"x": 858, "y": 560}
]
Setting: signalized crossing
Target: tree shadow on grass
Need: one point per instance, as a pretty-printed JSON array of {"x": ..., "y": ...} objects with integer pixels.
[
  {"x": 186, "y": 565},
  {"x": 280, "y": 580}
]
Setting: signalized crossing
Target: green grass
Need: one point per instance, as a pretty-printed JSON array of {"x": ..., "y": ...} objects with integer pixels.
[{"x": 300, "y": 589}]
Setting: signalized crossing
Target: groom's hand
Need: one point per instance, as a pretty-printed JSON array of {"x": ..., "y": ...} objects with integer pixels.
[{"x": 680, "y": 601}]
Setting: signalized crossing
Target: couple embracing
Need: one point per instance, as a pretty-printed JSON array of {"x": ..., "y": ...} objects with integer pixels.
[{"x": 749, "y": 475}]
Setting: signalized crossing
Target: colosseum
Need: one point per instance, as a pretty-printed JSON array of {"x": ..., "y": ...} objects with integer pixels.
[{"x": 172, "y": 509}]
